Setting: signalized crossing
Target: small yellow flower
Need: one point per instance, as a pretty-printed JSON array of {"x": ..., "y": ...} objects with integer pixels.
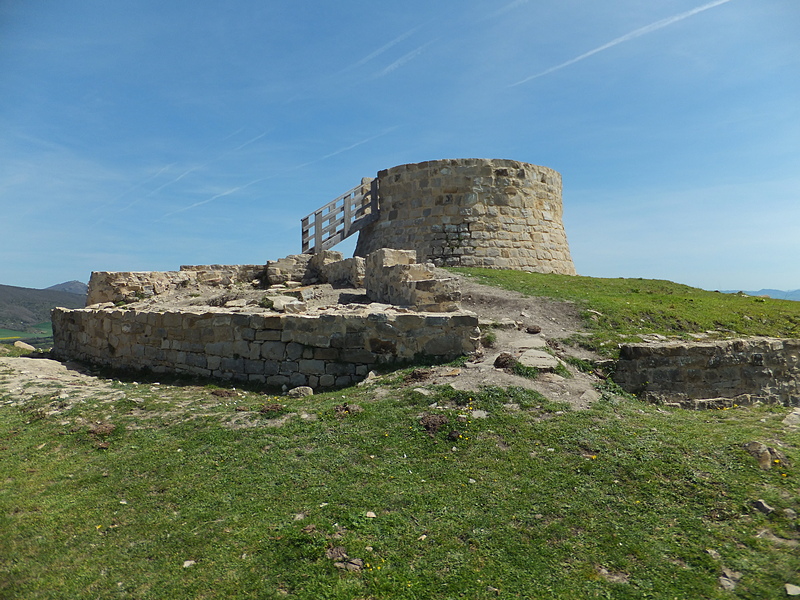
[
  {"x": 777, "y": 461},
  {"x": 594, "y": 456}
]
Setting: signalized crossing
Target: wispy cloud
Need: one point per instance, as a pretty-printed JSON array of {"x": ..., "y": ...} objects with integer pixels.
[
  {"x": 625, "y": 38},
  {"x": 381, "y": 50},
  {"x": 346, "y": 148},
  {"x": 211, "y": 199},
  {"x": 508, "y": 7},
  {"x": 190, "y": 170},
  {"x": 405, "y": 58},
  {"x": 239, "y": 188}
]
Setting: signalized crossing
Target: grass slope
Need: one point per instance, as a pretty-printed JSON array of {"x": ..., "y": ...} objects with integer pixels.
[
  {"x": 618, "y": 310},
  {"x": 625, "y": 500}
]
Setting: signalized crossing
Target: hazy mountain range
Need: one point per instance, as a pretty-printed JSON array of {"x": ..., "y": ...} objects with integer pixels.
[{"x": 21, "y": 308}]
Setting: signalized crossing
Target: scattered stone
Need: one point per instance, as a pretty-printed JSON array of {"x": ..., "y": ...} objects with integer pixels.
[
  {"x": 336, "y": 553},
  {"x": 766, "y": 534},
  {"x": 789, "y": 514},
  {"x": 353, "y": 565},
  {"x": 504, "y": 361},
  {"x": 613, "y": 577},
  {"x": 766, "y": 456},
  {"x": 793, "y": 418},
  {"x": 238, "y": 303},
  {"x": 533, "y": 329},
  {"x": 188, "y": 563},
  {"x": 23, "y": 346},
  {"x": 423, "y": 391},
  {"x": 729, "y": 579},
  {"x": 371, "y": 378},
  {"x": 479, "y": 414},
  {"x": 300, "y": 392},
  {"x": 713, "y": 553},
  {"x": 763, "y": 507},
  {"x": 371, "y": 515},
  {"x": 792, "y": 590}
]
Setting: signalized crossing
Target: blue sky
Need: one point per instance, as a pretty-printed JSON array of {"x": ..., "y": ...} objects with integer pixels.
[{"x": 145, "y": 135}]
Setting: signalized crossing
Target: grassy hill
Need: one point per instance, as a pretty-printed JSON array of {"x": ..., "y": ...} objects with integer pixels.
[
  {"x": 24, "y": 310},
  {"x": 620, "y": 310},
  {"x": 159, "y": 488}
]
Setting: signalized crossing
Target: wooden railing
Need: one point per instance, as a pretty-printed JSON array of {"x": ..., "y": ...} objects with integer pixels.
[{"x": 340, "y": 218}]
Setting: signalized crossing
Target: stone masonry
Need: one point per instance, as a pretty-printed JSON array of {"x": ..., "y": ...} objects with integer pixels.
[
  {"x": 277, "y": 343},
  {"x": 472, "y": 213},
  {"x": 698, "y": 374}
]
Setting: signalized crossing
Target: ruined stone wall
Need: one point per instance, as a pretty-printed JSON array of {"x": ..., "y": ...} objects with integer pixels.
[
  {"x": 472, "y": 213},
  {"x": 395, "y": 277},
  {"x": 695, "y": 374},
  {"x": 321, "y": 350},
  {"x": 129, "y": 286}
]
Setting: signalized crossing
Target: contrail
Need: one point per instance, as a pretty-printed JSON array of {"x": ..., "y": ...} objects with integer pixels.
[
  {"x": 206, "y": 201},
  {"x": 627, "y": 37},
  {"x": 247, "y": 143},
  {"x": 133, "y": 187},
  {"x": 345, "y": 149},
  {"x": 509, "y": 7},
  {"x": 381, "y": 50},
  {"x": 404, "y": 59},
  {"x": 195, "y": 168}
]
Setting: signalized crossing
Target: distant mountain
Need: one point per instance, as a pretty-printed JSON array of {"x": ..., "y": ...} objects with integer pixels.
[
  {"x": 20, "y": 308},
  {"x": 777, "y": 294},
  {"x": 72, "y": 287}
]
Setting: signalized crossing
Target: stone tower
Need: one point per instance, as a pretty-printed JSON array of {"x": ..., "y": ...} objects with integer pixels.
[{"x": 472, "y": 212}]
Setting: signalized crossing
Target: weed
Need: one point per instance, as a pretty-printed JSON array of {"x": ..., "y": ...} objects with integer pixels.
[
  {"x": 489, "y": 339},
  {"x": 563, "y": 371},
  {"x": 524, "y": 371}
]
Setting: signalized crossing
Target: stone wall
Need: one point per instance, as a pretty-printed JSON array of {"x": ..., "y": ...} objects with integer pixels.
[
  {"x": 395, "y": 277},
  {"x": 472, "y": 213},
  {"x": 697, "y": 374},
  {"x": 129, "y": 286},
  {"x": 334, "y": 348}
]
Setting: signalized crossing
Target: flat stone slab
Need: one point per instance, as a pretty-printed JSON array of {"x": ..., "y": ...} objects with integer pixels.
[
  {"x": 539, "y": 359},
  {"x": 528, "y": 342}
]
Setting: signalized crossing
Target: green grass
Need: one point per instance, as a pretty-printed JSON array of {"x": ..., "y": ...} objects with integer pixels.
[
  {"x": 534, "y": 501},
  {"x": 629, "y": 308}
]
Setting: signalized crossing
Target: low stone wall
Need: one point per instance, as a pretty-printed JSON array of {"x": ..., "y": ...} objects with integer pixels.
[
  {"x": 322, "y": 350},
  {"x": 472, "y": 213},
  {"x": 699, "y": 374}
]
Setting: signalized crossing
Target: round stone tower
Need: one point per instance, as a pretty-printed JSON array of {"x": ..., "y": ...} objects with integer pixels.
[{"x": 472, "y": 212}]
